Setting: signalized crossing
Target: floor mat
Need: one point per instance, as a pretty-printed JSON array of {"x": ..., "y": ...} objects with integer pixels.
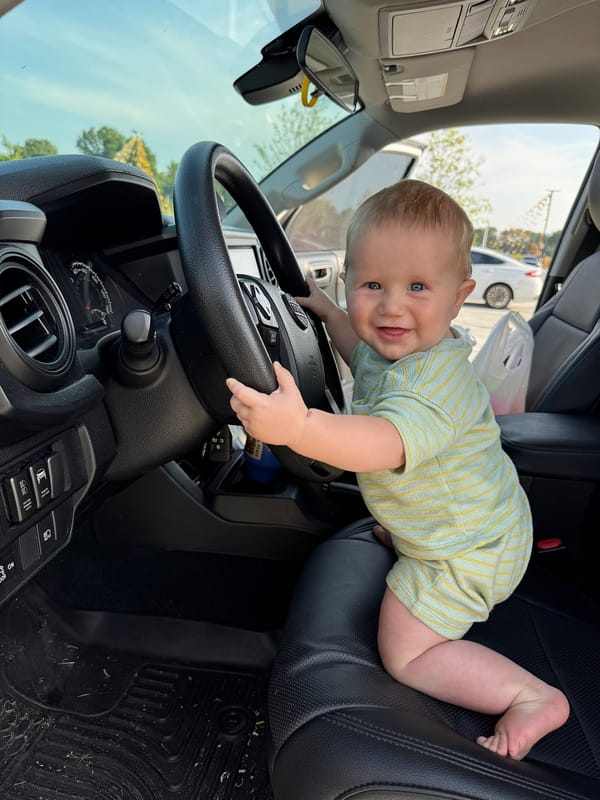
[
  {"x": 175, "y": 732},
  {"x": 94, "y": 725}
]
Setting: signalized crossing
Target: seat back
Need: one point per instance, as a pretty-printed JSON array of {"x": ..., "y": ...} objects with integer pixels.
[{"x": 564, "y": 373}]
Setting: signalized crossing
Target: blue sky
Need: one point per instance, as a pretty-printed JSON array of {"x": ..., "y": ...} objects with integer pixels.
[{"x": 58, "y": 79}]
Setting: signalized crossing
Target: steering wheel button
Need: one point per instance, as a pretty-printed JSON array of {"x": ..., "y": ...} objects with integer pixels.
[
  {"x": 40, "y": 480},
  {"x": 297, "y": 312},
  {"x": 271, "y": 337},
  {"x": 20, "y": 496}
]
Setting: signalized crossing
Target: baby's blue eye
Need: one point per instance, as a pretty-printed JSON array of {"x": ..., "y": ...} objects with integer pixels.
[
  {"x": 373, "y": 285},
  {"x": 417, "y": 287}
]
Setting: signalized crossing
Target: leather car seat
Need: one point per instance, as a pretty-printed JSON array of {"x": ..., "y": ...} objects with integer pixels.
[
  {"x": 564, "y": 373},
  {"x": 341, "y": 727}
]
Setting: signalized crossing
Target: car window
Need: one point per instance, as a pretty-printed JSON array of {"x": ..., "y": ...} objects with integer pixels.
[
  {"x": 321, "y": 224},
  {"x": 484, "y": 258},
  {"x": 516, "y": 182}
]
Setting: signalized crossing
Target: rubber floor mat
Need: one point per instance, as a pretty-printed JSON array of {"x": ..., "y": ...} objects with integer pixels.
[
  {"x": 79, "y": 722},
  {"x": 175, "y": 733}
]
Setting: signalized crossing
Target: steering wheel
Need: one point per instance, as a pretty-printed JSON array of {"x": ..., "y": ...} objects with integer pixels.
[{"x": 246, "y": 322}]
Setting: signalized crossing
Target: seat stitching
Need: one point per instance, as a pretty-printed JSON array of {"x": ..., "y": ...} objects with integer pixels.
[{"x": 442, "y": 754}]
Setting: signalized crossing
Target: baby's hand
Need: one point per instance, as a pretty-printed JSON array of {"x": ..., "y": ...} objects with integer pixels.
[
  {"x": 276, "y": 418},
  {"x": 317, "y": 301}
]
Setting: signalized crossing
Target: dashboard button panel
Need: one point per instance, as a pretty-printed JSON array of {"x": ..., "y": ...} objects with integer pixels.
[{"x": 21, "y": 499}]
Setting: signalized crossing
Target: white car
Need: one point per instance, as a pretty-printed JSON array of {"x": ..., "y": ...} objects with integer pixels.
[{"x": 501, "y": 279}]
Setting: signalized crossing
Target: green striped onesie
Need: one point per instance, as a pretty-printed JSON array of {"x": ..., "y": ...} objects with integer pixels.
[{"x": 459, "y": 519}]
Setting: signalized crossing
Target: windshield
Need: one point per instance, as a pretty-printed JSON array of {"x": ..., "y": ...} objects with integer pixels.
[{"x": 142, "y": 81}]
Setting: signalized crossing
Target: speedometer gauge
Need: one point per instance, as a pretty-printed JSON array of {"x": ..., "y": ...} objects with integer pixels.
[{"x": 95, "y": 300}]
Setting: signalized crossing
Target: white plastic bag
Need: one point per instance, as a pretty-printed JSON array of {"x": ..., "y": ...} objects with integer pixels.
[{"x": 504, "y": 362}]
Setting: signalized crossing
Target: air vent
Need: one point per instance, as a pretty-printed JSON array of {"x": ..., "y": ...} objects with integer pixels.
[{"x": 37, "y": 338}]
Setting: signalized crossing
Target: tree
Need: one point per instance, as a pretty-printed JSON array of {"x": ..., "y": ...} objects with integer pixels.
[
  {"x": 450, "y": 164},
  {"x": 29, "y": 148},
  {"x": 105, "y": 142},
  {"x": 165, "y": 180},
  {"x": 290, "y": 129}
]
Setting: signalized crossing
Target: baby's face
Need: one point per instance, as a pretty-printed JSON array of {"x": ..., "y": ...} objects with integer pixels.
[{"x": 404, "y": 287}]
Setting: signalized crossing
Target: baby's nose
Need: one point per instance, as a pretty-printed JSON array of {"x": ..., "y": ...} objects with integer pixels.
[{"x": 393, "y": 302}]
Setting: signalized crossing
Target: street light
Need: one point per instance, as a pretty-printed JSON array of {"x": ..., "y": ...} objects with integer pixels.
[{"x": 551, "y": 193}]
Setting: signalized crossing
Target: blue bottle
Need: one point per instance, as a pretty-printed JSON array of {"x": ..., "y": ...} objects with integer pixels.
[{"x": 261, "y": 465}]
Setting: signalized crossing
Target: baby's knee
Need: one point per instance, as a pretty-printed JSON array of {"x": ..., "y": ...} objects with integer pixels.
[{"x": 393, "y": 660}]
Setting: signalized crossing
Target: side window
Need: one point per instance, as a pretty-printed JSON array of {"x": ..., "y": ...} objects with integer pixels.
[
  {"x": 518, "y": 184},
  {"x": 321, "y": 224},
  {"x": 485, "y": 258}
]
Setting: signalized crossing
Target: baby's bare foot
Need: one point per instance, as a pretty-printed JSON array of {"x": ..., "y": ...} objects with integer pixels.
[
  {"x": 384, "y": 536},
  {"x": 534, "y": 713}
]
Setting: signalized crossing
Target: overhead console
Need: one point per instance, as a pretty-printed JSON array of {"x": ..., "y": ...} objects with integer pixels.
[
  {"x": 414, "y": 31},
  {"x": 418, "y": 70}
]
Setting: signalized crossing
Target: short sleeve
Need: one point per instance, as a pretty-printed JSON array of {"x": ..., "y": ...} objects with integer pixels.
[{"x": 426, "y": 429}]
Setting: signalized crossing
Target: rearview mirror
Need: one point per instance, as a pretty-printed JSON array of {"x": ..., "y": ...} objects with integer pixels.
[{"x": 327, "y": 68}]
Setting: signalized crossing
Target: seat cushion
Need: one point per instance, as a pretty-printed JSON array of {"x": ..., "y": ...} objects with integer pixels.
[{"x": 340, "y": 726}]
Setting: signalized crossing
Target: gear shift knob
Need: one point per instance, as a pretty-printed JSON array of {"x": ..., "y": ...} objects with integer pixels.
[{"x": 139, "y": 350}]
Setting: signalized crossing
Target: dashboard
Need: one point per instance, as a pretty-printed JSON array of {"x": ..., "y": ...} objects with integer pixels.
[
  {"x": 82, "y": 243},
  {"x": 96, "y": 301},
  {"x": 99, "y": 290}
]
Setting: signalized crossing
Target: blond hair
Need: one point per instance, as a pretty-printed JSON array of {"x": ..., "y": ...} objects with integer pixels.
[{"x": 414, "y": 204}]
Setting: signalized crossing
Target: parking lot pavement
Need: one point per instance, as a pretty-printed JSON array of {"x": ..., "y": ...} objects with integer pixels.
[{"x": 480, "y": 319}]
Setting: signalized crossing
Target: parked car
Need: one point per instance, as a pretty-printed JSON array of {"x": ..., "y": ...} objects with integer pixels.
[
  {"x": 170, "y": 626},
  {"x": 501, "y": 279}
]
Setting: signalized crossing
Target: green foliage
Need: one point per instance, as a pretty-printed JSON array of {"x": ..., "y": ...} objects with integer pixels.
[
  {"x": 292, "y": 127},
  {"x": 29, "y": 148},
  {"x": 450, "y": 164},
  {"x": 105, "y": 142},
  {"x": 165, "y": 180}
]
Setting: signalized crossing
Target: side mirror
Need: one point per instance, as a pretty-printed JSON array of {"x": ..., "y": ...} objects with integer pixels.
[{"x": 327, "y": 68}]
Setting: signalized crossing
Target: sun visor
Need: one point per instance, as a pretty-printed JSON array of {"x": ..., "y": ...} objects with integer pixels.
[{"x": 432, "y": 81}]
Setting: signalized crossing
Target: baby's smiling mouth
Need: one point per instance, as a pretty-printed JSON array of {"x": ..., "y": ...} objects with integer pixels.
[{"x": 392, "y": 333}]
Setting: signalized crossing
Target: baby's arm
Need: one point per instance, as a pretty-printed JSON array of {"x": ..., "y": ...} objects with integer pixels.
[
  {"x": 334, "y": 317},
  {"x": 356, "y": 443}
]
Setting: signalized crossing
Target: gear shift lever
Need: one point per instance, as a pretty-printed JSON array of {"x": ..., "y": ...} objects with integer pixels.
[{"x": 139, "y": 351}]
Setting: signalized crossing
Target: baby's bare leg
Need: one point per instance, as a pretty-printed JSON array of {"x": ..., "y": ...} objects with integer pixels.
[{"x": 470, "y": 675}]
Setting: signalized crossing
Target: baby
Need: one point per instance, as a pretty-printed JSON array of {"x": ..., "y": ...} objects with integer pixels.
[{"x": 425, "y": 445}]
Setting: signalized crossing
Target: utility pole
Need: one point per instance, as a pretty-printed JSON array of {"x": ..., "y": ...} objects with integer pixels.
[{"x": 551, "y": 193}]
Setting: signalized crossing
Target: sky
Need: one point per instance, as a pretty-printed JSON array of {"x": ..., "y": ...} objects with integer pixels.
[
  {"x": 522, "y": 163},
  {"x": 68, "y": 65}
]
